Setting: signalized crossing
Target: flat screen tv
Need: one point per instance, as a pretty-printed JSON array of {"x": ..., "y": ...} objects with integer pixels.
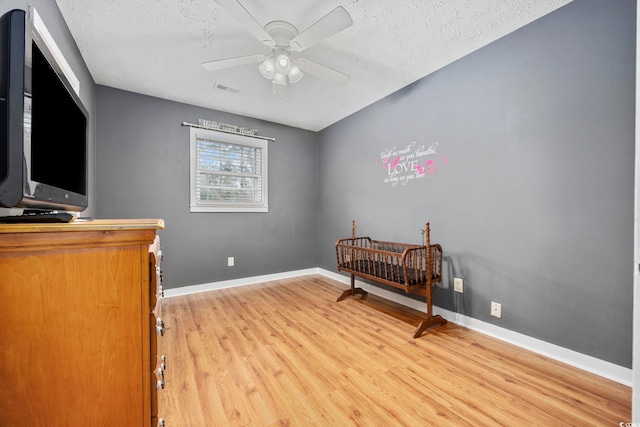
[{"x": 43, "y": 124}]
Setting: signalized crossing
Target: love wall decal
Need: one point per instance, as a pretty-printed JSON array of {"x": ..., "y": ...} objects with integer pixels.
[{"x": 411, "y": 163}]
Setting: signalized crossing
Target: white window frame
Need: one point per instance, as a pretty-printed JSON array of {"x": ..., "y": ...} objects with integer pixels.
[{"x": 228, "y": 138}]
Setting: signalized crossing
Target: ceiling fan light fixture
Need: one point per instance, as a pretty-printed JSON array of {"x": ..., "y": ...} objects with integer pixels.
[{"x": 277, "y": 68}]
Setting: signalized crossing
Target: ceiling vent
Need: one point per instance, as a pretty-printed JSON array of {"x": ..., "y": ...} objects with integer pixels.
[{"x": 225, "y": 88}]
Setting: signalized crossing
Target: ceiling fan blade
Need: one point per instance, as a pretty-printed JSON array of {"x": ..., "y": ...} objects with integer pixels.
[
  {"x": 323, "y": 72},
  {"x": 242, "y": 15},
  {"x": 232, "y": 62},
  {"x": 333, "y": 22}
]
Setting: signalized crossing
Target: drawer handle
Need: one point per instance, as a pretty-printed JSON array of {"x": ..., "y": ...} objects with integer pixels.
[{"x": 163, "y": 362}]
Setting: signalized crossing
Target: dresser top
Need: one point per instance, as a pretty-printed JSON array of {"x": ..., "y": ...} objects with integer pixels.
[{"x": 93, "y": 225}]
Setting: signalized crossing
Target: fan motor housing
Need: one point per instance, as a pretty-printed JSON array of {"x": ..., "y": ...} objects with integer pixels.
[{"x": 282, "y": 32}]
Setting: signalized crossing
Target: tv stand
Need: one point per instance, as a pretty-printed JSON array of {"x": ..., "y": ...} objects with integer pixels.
[{"x": 30, "y": 217}]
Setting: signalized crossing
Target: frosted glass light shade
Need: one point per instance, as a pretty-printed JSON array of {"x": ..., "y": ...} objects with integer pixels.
[
  {"x": 267, "y": 68},
  {"x": 279, "y": 78},
  {"x": 283, "y": 62},
  {"x": 294, "y": 73}
]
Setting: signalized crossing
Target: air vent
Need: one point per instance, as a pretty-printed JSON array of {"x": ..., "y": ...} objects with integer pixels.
[{"x": 225, "y": 88}]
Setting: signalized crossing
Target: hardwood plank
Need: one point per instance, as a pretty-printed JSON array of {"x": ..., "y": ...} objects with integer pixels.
[
  {"x": 181, "y": 390},
  {"x": 285, "y": 353}
]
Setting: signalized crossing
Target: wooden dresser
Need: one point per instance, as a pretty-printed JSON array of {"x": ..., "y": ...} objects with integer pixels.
[{"x": 80, "y": 324}]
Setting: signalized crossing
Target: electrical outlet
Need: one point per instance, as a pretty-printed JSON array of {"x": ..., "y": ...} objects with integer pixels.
[
  {"x": 458, "y": 284},
  {"x": 230, "y": 261},
  {"x": 496, "y": 309}
]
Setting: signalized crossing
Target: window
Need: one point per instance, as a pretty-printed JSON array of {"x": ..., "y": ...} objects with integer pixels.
[{"x": 228, "y": 172}]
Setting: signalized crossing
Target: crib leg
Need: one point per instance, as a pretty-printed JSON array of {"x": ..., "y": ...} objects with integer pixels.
[
  {"x": 353, "y": 291},
  {"x": 427, "y": 323},
  {"x": 431, "y": 320}
]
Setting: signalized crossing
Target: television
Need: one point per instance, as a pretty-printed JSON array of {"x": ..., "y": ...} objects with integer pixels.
[{"x": 43, "y": 124}]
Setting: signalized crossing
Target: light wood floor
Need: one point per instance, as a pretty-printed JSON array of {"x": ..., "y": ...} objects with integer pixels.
[{"x": 284, "y": 353}]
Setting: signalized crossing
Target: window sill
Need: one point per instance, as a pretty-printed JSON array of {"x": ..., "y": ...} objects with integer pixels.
[{"x": 228, "y": 209}]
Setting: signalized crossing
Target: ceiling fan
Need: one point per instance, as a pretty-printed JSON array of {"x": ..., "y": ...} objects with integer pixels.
[{"x": 283, "y": 38}]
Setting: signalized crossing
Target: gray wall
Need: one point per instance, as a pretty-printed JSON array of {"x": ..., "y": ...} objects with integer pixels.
[
  {"x": 143, "y": 172},
  {"x": 50, "y": 14},
  {"x": 534, "y": 204}
]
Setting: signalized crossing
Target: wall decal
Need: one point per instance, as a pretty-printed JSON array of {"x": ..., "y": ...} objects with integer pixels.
[{"x": 410, "y": 163}]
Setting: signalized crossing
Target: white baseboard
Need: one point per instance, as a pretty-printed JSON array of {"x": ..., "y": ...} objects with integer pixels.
[
  {"x": 214, "y": 286},
  {"x": 591, "y": 364}
]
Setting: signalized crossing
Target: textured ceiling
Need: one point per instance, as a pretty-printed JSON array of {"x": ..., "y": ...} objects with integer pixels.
[{"x": 156, "y": 47}]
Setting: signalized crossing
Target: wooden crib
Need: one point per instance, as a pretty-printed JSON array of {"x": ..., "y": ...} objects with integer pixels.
[{"x": 405, "y": 266}]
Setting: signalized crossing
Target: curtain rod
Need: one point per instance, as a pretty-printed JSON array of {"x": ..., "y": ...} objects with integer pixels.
[{"x": 228, "y": 131}]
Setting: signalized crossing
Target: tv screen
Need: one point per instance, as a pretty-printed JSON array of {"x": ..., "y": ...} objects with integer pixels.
[
  {"x": 43, "y": 124},
  {"x": 58, "y": 140}
]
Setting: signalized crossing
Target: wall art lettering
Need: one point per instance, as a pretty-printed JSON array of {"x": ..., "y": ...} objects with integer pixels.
[{"x": 410, "y": 163}]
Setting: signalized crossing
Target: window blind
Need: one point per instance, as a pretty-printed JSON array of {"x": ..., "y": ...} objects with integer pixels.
[{"x": 228, "y": 173}]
